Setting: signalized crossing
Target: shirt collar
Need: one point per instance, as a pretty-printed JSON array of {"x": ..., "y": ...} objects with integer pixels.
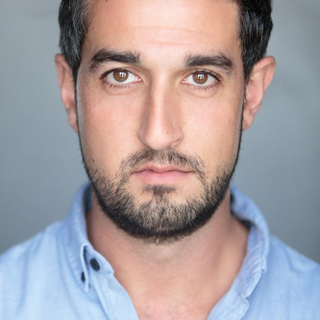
[
  {"x": 78, "y": 249},
  {"x": 235, "y": 303},
  {"x": 75, "y": 239},
  {"x": 255, "y": 261}
]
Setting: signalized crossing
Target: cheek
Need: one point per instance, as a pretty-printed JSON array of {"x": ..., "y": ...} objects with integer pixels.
[
  {"x": 106, "y": 128},
  {"x": 214, "y": 131}
]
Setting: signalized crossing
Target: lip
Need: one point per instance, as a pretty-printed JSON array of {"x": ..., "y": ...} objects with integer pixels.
[
  {"x": 151, "y": 174},
  {"x": 163, "y": 169}
]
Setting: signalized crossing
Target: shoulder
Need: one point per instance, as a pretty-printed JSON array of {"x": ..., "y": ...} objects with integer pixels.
[
  {"x": 29, "y": 251},
  {"x": 25, "y": 266},
  {"x": 30, "y": 256},
  {"x": 290, "y": 286},
  {"x": 285, "y": 262}
]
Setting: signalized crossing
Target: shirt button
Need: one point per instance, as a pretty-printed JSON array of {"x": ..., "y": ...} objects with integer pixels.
[{"x": 95, "y": 264}]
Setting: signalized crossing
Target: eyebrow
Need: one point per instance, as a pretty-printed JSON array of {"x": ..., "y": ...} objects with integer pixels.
[
  {"x": 221, "y": 61},
  {"x": 105, "y": 55},
  {"x": 102, "y": 56}
]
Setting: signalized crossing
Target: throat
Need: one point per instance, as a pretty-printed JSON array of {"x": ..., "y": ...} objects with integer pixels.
[{"x": 156, "y": 310}]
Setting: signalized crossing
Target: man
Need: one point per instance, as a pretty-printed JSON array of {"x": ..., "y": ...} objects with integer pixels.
[{"x": 159, "y": 93}]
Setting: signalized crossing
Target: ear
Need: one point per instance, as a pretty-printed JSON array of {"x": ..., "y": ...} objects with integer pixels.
[
  {"x": 257, "y": 85},
  {"x": 67, "y": 89}
]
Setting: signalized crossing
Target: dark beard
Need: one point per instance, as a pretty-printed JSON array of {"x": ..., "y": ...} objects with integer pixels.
[{"x": 159, "y": 220}]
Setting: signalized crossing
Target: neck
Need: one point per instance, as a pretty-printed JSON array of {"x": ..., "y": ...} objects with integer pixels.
[{"x": 200, "y": 267}]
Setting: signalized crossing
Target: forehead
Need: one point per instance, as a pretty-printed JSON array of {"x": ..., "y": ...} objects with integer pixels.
[{"x": 138, "y": 25}]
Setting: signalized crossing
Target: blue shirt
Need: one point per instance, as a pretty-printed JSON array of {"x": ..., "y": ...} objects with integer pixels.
[{"x": 58, "y": 275}]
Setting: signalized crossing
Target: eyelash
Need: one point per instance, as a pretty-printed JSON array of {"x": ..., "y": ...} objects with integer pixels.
[
  {"x": 194, "y": 87},
  {"x": 116, "y": 86},
  {"x": 206, "y": 87}
]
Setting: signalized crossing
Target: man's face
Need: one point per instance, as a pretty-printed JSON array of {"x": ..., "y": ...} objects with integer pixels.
[{"x": 160, "y": 92}]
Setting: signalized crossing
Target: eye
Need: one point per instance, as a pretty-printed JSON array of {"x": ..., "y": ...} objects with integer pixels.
[
  {"x": 120, "y": 77},
  {"x": 201, "y": 78}
]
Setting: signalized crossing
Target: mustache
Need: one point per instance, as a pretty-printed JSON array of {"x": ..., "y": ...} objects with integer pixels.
[{"x": 160, "y": 157}]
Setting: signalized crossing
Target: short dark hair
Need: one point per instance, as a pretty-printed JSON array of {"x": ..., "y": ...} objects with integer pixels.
[{"x": 255, "y": 29}]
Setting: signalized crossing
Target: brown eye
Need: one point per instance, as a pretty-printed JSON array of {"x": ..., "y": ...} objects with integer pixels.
[
  {"x": 120, "y": 75},
  {"x": 200, "y": 77}
]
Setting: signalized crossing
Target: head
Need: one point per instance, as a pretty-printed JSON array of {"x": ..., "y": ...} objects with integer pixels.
[
  {"x": 255, "y": 26},
  {"x": 159, "y": 93}
]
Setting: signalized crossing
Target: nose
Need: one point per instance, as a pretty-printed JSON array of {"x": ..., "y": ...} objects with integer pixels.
[{"x": 160, "y": 127}]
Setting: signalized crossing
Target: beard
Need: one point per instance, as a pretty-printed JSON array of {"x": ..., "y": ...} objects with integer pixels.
[{"x": 160, "y": 220}]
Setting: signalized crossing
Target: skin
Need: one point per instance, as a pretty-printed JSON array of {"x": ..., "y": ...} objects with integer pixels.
[{"x": 164, "y": 108}]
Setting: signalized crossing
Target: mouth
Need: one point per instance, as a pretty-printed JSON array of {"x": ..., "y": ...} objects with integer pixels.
[{"x": 151, "y": 174}]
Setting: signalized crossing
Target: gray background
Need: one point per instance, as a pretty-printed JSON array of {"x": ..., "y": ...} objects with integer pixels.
[{"x": 41, "y": 168}]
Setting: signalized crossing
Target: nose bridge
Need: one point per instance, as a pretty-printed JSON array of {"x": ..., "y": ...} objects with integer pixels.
[{"x": 160, "y": 127}]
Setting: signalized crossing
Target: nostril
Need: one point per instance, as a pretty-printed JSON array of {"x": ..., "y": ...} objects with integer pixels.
[{"x": 156, "y": 138}]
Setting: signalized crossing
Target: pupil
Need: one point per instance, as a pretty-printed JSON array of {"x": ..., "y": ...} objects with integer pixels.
[
  {"x": 200, "y": 78},
  {"x": 120, "y": 75}
]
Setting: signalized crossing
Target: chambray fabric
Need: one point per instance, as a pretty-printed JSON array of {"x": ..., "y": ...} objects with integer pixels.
[{"x": 58, "y": 275}]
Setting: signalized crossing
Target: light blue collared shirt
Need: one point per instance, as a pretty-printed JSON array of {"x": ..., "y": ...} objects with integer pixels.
[{"x": 58, "y": 275}]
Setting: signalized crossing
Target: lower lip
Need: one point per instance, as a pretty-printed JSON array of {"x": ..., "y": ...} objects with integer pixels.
[{"x": 153, "y": 177}]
